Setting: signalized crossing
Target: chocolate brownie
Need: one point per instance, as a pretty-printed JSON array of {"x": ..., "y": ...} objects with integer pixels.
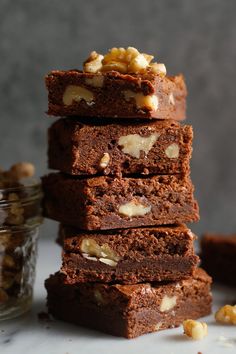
[
  {"x": 219, "y": 257},
  {"x": 109, "y": 203},
  {"x": 130, "y": 310},
  {"x": 128, "y": 256},
  {"x": 156, "y": 147},
  {"x": 116, "y": 95}
]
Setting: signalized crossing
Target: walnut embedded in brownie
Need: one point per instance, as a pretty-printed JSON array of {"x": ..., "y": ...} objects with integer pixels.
[
  {"x": 156, "y": 147},
  {"x": 130, "y": 310},
  {"x": 218, "y": 254},
  {"x": 115, "y": 95},
  {"x": 128, "y": 256},
  {"x": 111, "y": 203}
]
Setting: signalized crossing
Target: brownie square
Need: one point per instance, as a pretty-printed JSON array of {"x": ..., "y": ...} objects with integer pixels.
[
  {"x": 156, "y": 147},
  {"x": 218, "y": 254},
  {"x": 128, "y": 256},
  {"x": 130, "y": 310},
  {"x": 115, "y": 95},
  {"x": 101, "y": 203}
]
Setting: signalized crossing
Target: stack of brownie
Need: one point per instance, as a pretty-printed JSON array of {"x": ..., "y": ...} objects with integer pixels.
[{"x": 122, "y": 197}]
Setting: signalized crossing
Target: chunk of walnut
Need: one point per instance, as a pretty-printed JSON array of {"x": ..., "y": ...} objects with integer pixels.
[
  {"x": 134, "y": 208},
  {"x": 168, "y": 303},
  {"x": 123, "y": 60},
  {"x": 133, "y": 144},
  {"x": 94, "y": 63},
  {"x": 77, "y": 93},
  {"x": 172, "y": 151},
  {"x": 226, "y": 314},
  {"x": 104, "y": 162},
  {"x": 91, "y": 249},
  {"x": 16, "y": 212},
  {"x": 149, "y": 102},
  {"x": 194, "y": 329}
]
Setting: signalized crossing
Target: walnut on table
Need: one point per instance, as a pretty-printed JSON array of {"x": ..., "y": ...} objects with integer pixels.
[
  {"x": 226, "y": 314},
  {"x": 195, "y": 329}
]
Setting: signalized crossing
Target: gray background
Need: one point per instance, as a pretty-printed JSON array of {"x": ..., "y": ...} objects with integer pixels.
[{"x": 196, "y": 37}]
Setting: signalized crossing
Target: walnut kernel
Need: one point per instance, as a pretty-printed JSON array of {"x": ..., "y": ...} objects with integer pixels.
[
  {"x": 90, "y": 248},
  {"x": 90, "y": 258},
  {"x": 171, "y": 99},
  {"x": 77, "y": 93},
  {"x": 194, "y": 329},
  {"x": 94, "y": 63},
  {"x": 172, "y": 151},
  {"x": 133, "y": 144},
  {"x": 108, "y": 261},
  {"x": 158, "y": 68},
  {"x": 149, "y": 102},
  {"x": 168, "y": 303},
  {"x": 226, "y": 314},
  {"x": 134, "y": 208},
  {"x": 104, "y": 162}
]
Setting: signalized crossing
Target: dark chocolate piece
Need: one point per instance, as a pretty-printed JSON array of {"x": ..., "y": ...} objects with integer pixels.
[
  {"x": 130, "y": 310},
  {"x": 156, "y": 147},
  {"x": 102, "y": 203},
  {"x": 219, "y": 257},
  {"x": 128, "y": 256},
  {"x": 116, "y": 95}
]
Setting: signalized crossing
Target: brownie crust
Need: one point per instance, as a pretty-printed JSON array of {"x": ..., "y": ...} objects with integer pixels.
[
  {"x": 156, "y": 147},
  {"x": 128, "y": 256},
  {"x": 130, "y": 310},
  {"x": 101, "y": 203},
  {"x": 218, "y": 254},
  {"x": 105, "y": 95}
]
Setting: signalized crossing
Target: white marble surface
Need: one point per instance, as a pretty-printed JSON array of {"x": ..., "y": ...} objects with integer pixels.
[{"x": 28, "y": 335}]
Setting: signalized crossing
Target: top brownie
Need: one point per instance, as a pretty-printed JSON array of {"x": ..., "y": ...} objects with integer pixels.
[{"x": 122, "y": 84}]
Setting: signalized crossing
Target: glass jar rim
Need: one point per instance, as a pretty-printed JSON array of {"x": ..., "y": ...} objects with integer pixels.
[
  {"x": 31, "y": 183},
  {"x": 32, "y": 190},
  {"x": 28, "y": 226}
]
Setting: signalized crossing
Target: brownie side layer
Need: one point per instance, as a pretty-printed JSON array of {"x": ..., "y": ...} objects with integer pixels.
[
  {"x": 107, "y": 99},
  {"x": 156, "y": 147},
  {"x": 107, "y": 203},
  {"x": 218, "y": 254},
  {"x": 128, "y": 256},
  {"x": 130, "y": 310}
]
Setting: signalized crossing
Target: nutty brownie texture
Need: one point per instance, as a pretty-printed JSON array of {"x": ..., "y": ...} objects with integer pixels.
[
  {"x": 218, "y": 254},
  {"x": 116, "y": 95},
  {"x": 128, "y": 256},
  {"x": 109, "y": 203},
  {"x": 130, "y": 310},
  {"x": 156, "y": 147}
]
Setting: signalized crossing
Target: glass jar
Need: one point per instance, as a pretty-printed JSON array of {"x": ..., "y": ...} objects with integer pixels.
[{"x": 20, "y": 217}]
